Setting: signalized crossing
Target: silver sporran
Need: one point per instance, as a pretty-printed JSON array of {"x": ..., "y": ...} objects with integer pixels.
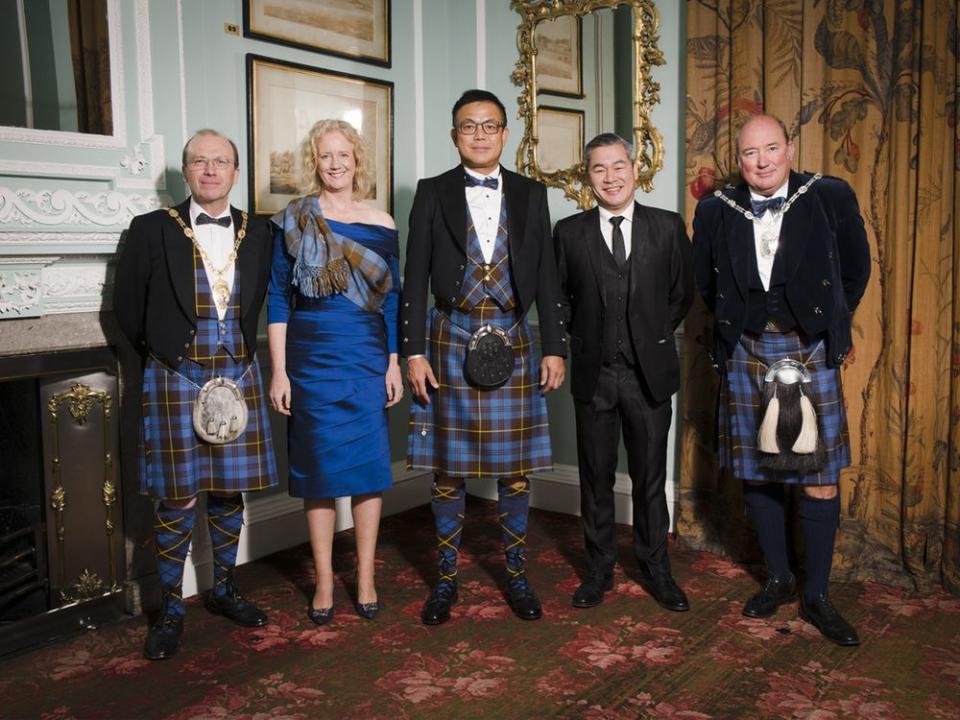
[{"x": 220, "y": 411}]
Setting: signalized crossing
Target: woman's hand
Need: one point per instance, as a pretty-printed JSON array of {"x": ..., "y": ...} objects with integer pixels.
[
  {"x": 280, "y": 392},
  {"x": 393, "y": 381}
]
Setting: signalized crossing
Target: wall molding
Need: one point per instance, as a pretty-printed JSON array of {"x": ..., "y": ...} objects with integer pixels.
[{"x": 64, "y": 207}]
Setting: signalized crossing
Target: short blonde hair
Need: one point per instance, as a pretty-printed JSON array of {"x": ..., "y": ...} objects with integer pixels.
[{"x": 310, "y": 183}]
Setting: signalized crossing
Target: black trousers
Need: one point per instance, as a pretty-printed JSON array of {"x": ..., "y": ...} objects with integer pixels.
[{"x": 621, "y": 398}]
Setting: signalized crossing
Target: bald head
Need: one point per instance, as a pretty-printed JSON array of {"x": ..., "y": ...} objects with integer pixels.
[{"x": 763, "y": 119}]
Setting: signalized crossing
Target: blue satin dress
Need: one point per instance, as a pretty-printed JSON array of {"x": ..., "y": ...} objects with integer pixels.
[{"x": 337, "y": 436}]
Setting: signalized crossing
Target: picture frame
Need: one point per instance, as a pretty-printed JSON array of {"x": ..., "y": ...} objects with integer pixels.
[
  {"x": 560, "y": 134},
  {"x": 284, "y": 100},
  {"x": 354, "y": 29},
  {"x": 559, "y": 68}
]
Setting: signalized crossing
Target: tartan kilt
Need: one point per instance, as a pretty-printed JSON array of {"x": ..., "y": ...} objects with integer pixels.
[
  {"x": 468, "y": 431},
  {"x": 741, "y": 398},
  {"x": 174, "y": 463}
]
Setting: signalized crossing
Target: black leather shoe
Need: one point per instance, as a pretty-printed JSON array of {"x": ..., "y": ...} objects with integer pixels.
[
  {"x": 234, "y": 606},
  {"x": 590, "y": 592},
  {"x": 437, "y": 608},
  {"x": 821, "y": 613},
  {"x": 320, "y": 617},
  {"x": 774, "y": 593},
  {"x": 665, "y": 591},
  {"x": 524, "y": 602},
  {"x": 163, "y": 638}
]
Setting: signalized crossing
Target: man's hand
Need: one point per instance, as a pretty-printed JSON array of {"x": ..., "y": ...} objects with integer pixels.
[
  {"x": 551, "y": 372},
  {"x": 419, "y": 374}
]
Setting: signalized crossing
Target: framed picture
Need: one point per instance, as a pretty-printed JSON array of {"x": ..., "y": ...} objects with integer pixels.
[
  {"x": 284, "y": 100},
  {"x": 561, "y": 138},
  {"x": 355, "y": 29},
  {"x": 559, "y": 52}
]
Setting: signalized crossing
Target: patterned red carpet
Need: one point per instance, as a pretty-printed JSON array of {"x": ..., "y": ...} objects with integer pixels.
[{"x": 624, "y": 659}]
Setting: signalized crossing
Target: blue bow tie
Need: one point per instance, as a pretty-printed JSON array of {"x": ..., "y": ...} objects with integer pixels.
[
  {"x": 204, "y": 219},
  {"x": 759, "y": 207},
  {"x": 487, "y": 182}
]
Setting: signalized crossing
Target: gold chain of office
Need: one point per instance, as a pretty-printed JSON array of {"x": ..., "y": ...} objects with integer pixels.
[{"x": 219, "y": 287}]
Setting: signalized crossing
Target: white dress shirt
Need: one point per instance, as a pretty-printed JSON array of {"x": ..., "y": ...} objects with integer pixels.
[
  {"x": 626, "y": 227},
  {"x": 217, "y": 242},
  {"x": 484, "y": 205},
  {"x": 770, "y": 223}
]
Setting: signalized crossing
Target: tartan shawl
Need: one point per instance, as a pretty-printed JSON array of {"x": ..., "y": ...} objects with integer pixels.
[{"x": 326, "y": 261}]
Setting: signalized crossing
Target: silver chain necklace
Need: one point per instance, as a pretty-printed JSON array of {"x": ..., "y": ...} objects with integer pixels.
[{"x": 768, "y": 241}]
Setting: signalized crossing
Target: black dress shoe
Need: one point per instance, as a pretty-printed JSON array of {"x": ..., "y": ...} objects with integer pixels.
[
  {"x": 665, "y": 591},
  {"x": 234, "y": 606},
  {"x": 437, "y": 608},
  {"x": 163, "y": 638},
  {"x": 320, "y": 617},
  {"x": 590, "y": 592},
  {"x": 365, "y": 610},
  {"x": 821, "y": 613},
  {"x": 524, "y": 602},
  {"x": 774, "y": 593}
]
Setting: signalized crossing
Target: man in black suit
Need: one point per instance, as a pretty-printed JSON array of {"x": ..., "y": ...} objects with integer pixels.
[
  {"x": 782, "y": 261},
  {"x": 480, "y": 238},
  {"x": 626, "y": 271},
  {"x": 189, "y": 286}
]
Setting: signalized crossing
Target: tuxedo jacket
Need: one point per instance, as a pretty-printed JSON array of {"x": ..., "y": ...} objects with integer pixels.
[
  {"x": 824, "y": 249},
  {"x": 661, "y": 291},
  {"x": 437, "y": 255},
  {"x": 153, "y": 296}
]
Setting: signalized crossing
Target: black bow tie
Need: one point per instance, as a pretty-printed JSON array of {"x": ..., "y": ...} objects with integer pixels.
[
  {"x": 204, "y": 219},
  {"x": 487, "y": 182},
  {"x": 759, "y": 207}
]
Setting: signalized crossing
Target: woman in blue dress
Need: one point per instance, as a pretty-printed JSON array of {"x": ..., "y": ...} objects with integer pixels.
[{"x": 332, "y": 330}]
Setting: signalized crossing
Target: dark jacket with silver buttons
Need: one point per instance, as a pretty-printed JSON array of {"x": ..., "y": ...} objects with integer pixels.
[
  {"x": 824, "y": 249},
  {"x": 153, "y": 295},
  {"x": 437, "y": 256}
]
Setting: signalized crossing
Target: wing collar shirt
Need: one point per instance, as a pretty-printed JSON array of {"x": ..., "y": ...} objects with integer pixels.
[
  {"x": 217, "y": 243},
  {"x": 626, "y": 227},
  {"x": 769, "y": 224},
  {"x": 484, "y": 205}
]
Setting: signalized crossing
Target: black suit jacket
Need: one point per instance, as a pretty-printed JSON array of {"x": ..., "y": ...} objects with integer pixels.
[
  {"x": 824, "y": 249},
  {"x": 661, "y": 290},
  {"x": 153, "y": 296},
  {"x": 437, "y": 252}
]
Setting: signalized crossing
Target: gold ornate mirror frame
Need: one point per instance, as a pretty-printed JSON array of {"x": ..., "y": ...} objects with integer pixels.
[{"x": 647, "y": 140}]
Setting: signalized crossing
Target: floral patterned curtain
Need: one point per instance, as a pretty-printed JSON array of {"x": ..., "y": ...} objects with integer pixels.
[{"x": 869, "y": 91}]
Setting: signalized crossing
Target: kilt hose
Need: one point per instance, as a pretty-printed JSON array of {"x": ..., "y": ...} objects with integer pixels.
[
  {"x": 741, "y": 398},
  {"x": 467, "y": 431}
]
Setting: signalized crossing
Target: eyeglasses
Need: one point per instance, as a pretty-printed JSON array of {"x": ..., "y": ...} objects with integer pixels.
[
  {"x": 202, "y": 163},
  {"x": 469, "y": 127}
]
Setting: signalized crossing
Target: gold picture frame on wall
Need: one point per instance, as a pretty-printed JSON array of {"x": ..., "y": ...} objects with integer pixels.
[
  {"x": 354, "y": 29},
  {"x": 647, "y": 140},
  {"x": 561, "y": 136},
  {"x": 559, "y": 60},
  {"x": 284, "y": 100}
]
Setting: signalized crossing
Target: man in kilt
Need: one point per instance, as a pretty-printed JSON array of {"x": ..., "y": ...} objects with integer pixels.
[
  {"x": 480, "y": 236},
  {"x": 782, "y": 261},
  {"x": 189, "y": 287}
]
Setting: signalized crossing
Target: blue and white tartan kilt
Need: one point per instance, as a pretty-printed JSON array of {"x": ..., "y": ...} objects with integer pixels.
[
  {"x": 741, "y": 398},
  {"x": 466, "y": 431},
  {"x": 174, "y": 463}
]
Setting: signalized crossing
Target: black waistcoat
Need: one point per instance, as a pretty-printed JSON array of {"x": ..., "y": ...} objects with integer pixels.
[
  {"x": 616, "y": 331},
  {"x": 771, "y": 304}
]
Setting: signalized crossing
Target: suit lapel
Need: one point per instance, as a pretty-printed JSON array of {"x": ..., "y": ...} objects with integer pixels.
[
  {"x": 453, "y": 204},
  {"x": 246, "y": 264},
  {"x": 740, "y": 242},
  {"x": 517, "y": 201},
  {"x": 795, "y": 228},
  {"x": 179, "y": 252},
  {"x": 640, "y": 239},
  {"x": 594, "y": 247}
]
